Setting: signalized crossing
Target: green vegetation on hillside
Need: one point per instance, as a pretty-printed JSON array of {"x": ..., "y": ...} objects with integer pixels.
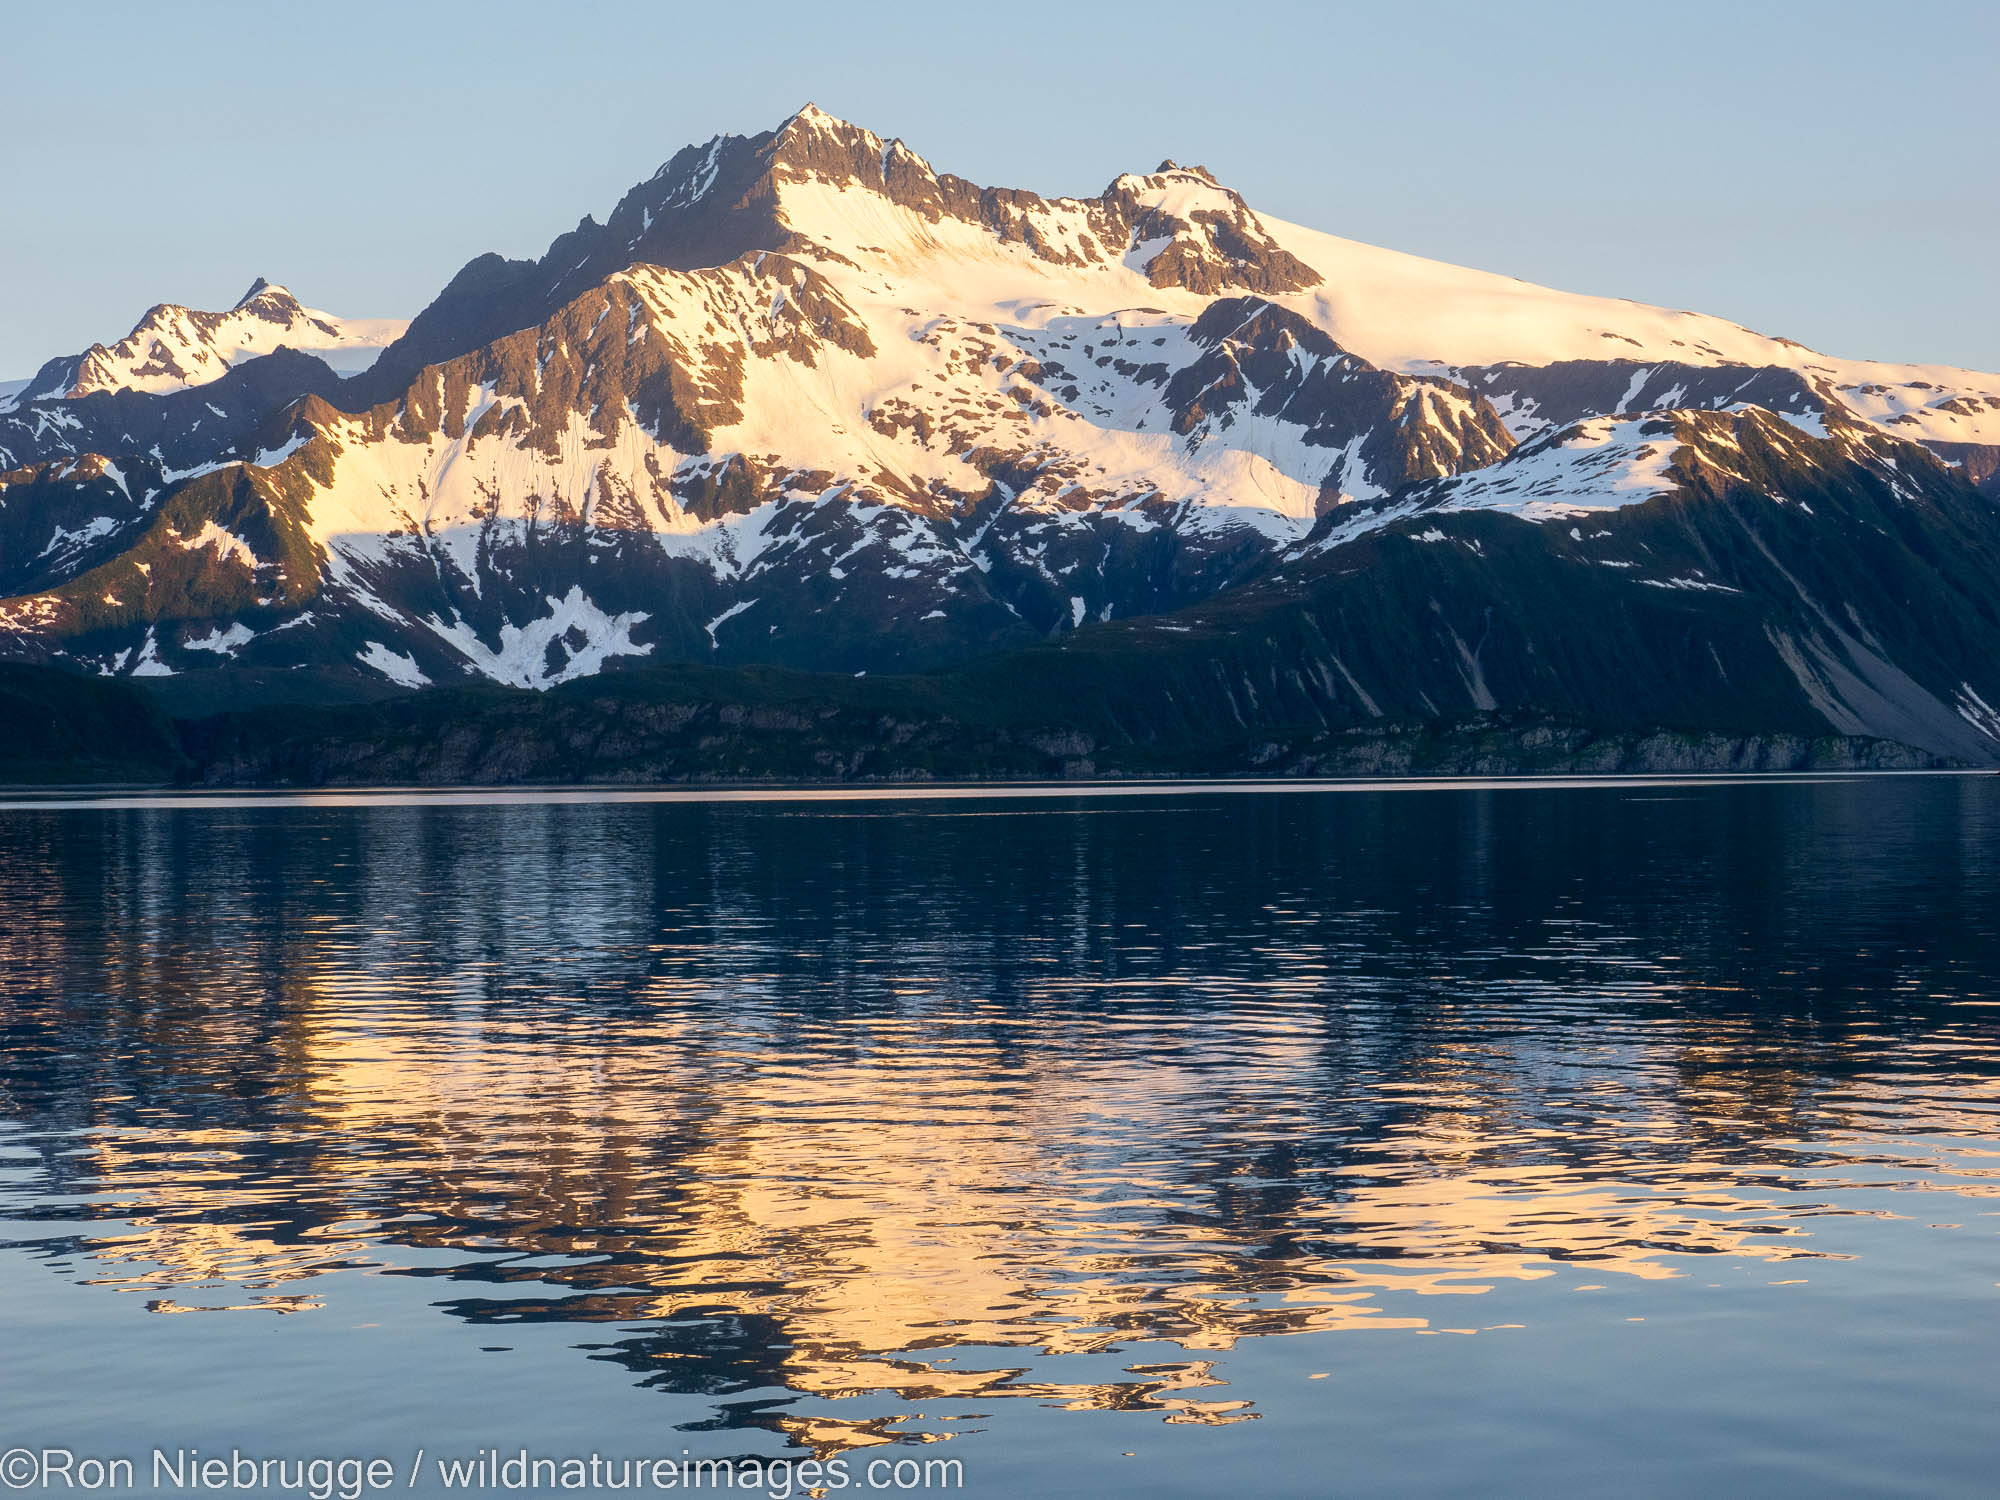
[{"x": 60, "y": 728}]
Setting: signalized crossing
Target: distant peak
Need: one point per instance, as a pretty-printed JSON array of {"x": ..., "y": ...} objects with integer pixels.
[
  {"x": 269, "y": 300},
  {"x": 812, "y": 117}
]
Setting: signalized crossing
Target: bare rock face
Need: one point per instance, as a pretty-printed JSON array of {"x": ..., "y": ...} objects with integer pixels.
[
  {"x": 1189, "y": 231},
  {"x": 1267, "y": 361}
]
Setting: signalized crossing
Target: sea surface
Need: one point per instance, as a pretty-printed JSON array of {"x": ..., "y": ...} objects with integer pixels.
[{"x": 1618, "y": 1138}]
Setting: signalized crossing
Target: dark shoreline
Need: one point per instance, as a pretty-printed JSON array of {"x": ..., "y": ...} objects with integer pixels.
[
  {"x": 164, "y": 796},
  {"x": 708, "y": 727}
]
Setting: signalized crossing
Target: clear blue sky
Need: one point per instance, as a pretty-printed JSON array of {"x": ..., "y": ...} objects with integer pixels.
[{"x": 1830, "y": 172}]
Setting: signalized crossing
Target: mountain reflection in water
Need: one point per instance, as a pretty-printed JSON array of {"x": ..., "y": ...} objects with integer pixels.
[{"x": 948, "y": 1103}]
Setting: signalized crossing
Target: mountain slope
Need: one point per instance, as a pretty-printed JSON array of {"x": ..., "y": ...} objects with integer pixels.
[
  {"x": 674, "y": 449},
  {"x": 1712, "y": 592},
  {"x": 1544, "y": 348},
  {"x": 803, "y": 400},
  {"x": 180, "y": 432}
]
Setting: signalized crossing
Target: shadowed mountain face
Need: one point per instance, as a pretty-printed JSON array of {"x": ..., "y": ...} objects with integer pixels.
[{"x": 801, "y": 400}]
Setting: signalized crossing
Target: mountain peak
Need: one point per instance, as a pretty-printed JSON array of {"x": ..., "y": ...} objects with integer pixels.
[
  {"x": 813, "y": 140},
  {"x": 811, "y": 117},
  {"x": 811, "y": 126},
  {"x": 173, "y": 347},
  {"x": 271, "y": 302}
]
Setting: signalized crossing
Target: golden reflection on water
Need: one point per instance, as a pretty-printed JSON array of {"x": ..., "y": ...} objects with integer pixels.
[
  {"x": 865, "y": 1151},
  {"x": 884, "y": 1209}
]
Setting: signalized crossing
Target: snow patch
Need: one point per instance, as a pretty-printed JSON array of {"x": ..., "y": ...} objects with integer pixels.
[
  {"x": 81, "y": 537},
  {"x": 523, "y": 657},
  {"x": 1976, "y": 711},
  {"x": 727, "y": 614},
  {"x": 399, "y": 669},
  {"x": 227, "y": 544},
  {"x": 149, "y": 663},
  {"x": 224, "y": 642}
]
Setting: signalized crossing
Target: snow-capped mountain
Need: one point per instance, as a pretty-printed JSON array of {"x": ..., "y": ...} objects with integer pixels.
[
  {"x": 802, "y": 399},
  {"x": 173, "y": 348}
]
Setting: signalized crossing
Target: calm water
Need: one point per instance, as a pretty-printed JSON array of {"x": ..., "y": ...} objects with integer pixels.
[{"x": 1588, "y": 1140}]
